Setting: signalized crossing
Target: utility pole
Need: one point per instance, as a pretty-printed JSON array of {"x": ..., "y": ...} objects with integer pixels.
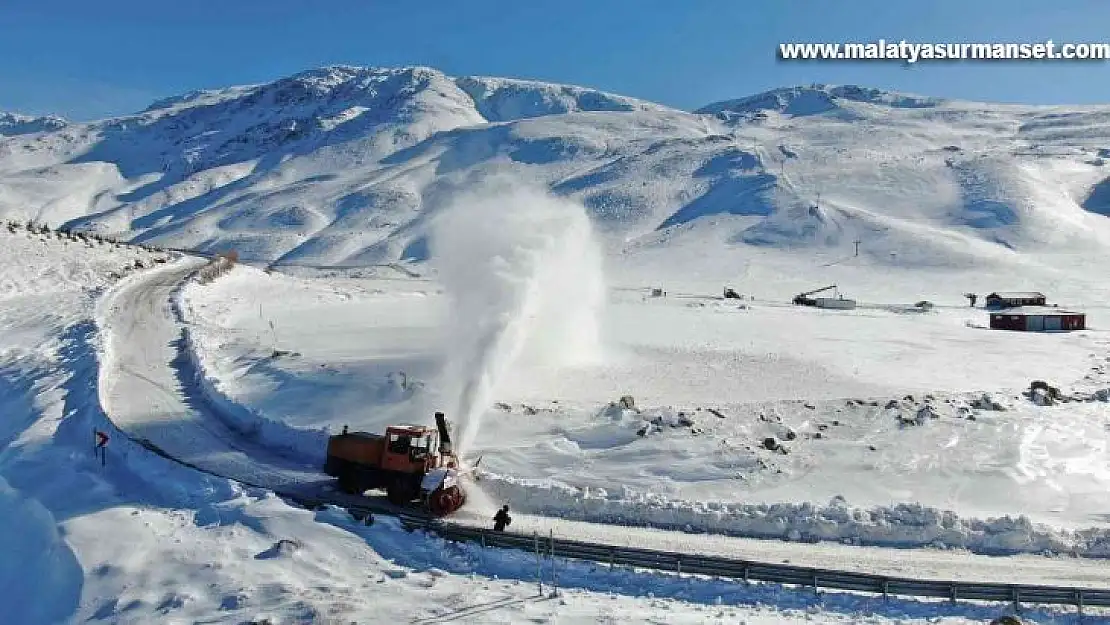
[{"x": 857, "y": 242}]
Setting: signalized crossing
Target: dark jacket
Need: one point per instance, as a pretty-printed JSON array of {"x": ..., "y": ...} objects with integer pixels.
[{"x": 501, "y": 519}]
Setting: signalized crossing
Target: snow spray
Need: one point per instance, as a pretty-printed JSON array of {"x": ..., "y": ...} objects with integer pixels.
[{"x": 523, "y": 276}]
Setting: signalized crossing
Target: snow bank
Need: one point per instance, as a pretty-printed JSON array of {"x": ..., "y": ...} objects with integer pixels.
[
  {"x": 171, "y": 482},
  {"x": 298, "y": 443},
  {"x": 417, "y": 555},
  {"x": 902, "y": 525},
  {"x": 37, "y": 563}
]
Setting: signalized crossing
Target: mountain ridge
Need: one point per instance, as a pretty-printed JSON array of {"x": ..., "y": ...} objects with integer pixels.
[
  {"x": 762, "y": 100},
  {"x": 12, "y": 123},
  {"x": 344, "y": 164}
]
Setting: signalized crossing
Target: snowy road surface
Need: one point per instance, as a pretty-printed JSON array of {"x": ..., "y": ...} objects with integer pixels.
[{"x": 146, "y": 387}]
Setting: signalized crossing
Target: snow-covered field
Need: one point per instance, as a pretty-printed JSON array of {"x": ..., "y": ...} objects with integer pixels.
[
  {"x": 524, "y": 314},
  {"x": 139, "y": 539},
  {"x": 365, "y": 353}
]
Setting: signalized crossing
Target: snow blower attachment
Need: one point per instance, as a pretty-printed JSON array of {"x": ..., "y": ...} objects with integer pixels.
[{"x": 410, "y": 462}]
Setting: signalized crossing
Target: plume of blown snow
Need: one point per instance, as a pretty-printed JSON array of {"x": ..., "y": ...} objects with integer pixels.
[{"x": 523, "y": 274}]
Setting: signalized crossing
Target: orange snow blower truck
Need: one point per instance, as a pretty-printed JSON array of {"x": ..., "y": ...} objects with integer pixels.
[{"x": 412, "y": 463}]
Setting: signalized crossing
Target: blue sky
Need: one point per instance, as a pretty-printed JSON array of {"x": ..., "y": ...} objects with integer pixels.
[{"x": 88, "y": 60}]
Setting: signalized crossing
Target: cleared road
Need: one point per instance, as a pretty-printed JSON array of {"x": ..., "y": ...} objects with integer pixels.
[{"x": 147, "y": 388}]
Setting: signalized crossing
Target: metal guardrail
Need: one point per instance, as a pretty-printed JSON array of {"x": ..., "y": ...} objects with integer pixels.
[
  {"x": 714, "y": 566},
  {"x": 747, "y": 570}
]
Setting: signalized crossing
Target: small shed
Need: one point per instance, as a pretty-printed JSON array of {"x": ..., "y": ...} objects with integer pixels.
[
  {"x": 1015, "y": 299},
  {"x": 1038, "y": 319}
]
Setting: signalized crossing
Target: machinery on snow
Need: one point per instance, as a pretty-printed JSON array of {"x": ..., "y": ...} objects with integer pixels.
[
  {"x": 412, "y": 463},
  {"x": 839, "y": 302}
]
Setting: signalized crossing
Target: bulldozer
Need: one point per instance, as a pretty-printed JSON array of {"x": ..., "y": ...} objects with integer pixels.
[{"x": 412, "y": 463}]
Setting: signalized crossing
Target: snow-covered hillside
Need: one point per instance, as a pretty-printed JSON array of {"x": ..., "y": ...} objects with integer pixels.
[
  {"x": 752, "y": 416},
  {"x": 344, "y": 165},
  {"x": 139, "y": 539},
  {"x": 15, "y": 124}
]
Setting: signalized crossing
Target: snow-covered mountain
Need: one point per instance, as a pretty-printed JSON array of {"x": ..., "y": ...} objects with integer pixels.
[
  {"x": 345, "y": 164},
  {"x": 15, "y": 124},
  {"x": 880, "y": 412}
]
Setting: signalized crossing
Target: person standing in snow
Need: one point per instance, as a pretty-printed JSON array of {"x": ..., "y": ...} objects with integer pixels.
[{"x": 501, "y": 519}]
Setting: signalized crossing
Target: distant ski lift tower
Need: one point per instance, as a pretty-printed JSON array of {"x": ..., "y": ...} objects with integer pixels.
[{"x": 857, "y": 242}]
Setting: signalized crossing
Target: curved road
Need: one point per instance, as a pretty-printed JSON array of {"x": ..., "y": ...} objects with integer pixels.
[{"x": 147, "y": 388}]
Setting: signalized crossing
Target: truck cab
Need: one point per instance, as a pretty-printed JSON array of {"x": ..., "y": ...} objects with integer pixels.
[{"x": 409, "y": 449}]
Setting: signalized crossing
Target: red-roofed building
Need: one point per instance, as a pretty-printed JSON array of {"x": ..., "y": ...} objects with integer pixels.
[{"x": 1038, "y": 319}]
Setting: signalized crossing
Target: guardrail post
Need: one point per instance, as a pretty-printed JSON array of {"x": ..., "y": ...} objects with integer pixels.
[
  {"x": 745, "y": 572},
  {"x": 678, "y": 565},
  {"x": 816, "y": 589},
  {"x": 539, "y": 561},
  {"x": 886, "y": 590},
  {"x": 1079, "y": 602},
  {"x": 952, "y": 594},
  {"x": 612, "y": 556},
  {"x": 554, "y": 575},
  {"x": 1017, "y": 600}
]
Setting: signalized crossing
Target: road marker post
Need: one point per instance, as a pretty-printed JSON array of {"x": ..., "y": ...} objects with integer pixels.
[{"x": 100, "y": 445}]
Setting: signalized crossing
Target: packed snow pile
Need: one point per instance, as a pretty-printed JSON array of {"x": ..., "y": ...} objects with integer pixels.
[
  {"x": 302, "y": 443},
  {"x": 309, "y": 444},
  {"x": 901, "y": 525},
  {"x": 37, "y": 561},
  {"x": 430, "y": 560}
]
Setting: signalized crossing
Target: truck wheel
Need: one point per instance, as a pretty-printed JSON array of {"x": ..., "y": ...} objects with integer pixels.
[
  {"x": 445, "y": 501},
  {"x": 399, "y": 492},
  {"x": 348, "y": 485}
]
